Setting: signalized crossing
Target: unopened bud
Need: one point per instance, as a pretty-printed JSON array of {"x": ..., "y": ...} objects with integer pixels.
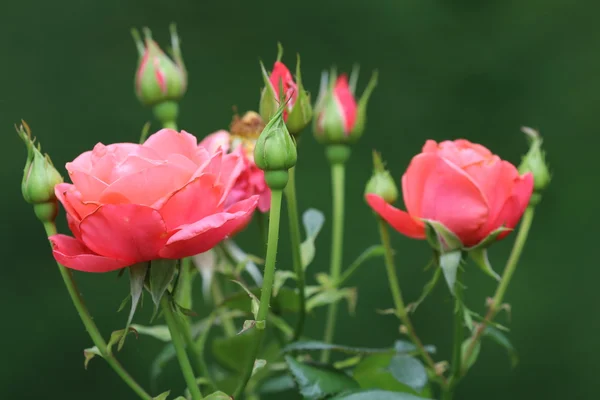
[
  {"x": 39, "y": 178},
  {"x": 275, "y": 151},
  {"x": 381, "y": 183},
  {"x": 535, "y": 161}
]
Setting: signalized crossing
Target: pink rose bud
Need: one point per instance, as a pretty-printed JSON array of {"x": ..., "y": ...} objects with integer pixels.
[
  {"x": 340, "y": 118},
  {"x": 164, "y": 199},
  {"x": 39, "y": 178},
  {"x": 242, "y": 139},
  {"x": 471, "y": 192},
  {"x": 158, "y": 77},
  {"x": 281, "y": 86}
]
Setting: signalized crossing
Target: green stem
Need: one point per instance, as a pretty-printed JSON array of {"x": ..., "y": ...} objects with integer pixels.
[
  {"x": 292, "y": 208},
  {"x": 448, "y": 390},
  {"x": 226, "y": 322},
  {"x": 337, "y": 179},
  {"x": 195, "y": 350},
  {"x": 167, "y": 113},
  {"x": 91, "y": 327},
  {"x": 267, "y": 287},
  {"x": 509, "y": 270},
  {"x": 262, "y": 227},
  {"x": 178, "y": 343},
  {"x": 401, "y": 310}
]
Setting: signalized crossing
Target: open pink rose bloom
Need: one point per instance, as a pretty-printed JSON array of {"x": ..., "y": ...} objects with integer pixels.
[
  {"x": 471, "y": 191},
  {"x": 130, "y": 203},
  {"x": 251, "y": 181}
]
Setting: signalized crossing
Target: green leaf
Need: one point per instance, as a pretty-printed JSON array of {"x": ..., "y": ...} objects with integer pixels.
[
  {"x": 314, "y": 345},
  {"x": 162, "y": 272},
  {"x": 373, "y": 373},
  {"x": 117, "y": 337},
  {"x": 474, "y": 354},
  {"x": 89, "y": 354},
  {"x": 137, "y": 276},
  {"x": 160, "y": 332},
  {"x": 317, "y": 382},
  {"x": 429, "y": 286},
  {"x": 329, "y": 296},
  {"x": 206, "y": 264},
  {"x": 449, "y": 263},
  {"x": 234, "y": 352},
  {"x": 313, "y": 221},
  {"x": 277, "y": 384},
  {"x": 165, "y": 355},
  {"x": 489, "y": 239},
  {"x": 440, "y": 237},
  {"x": 374, "y": 394},
  {"x": 281, "y": 276},
  {"x": 218, "y": 396},
  {"x": 497, "y": 336},
  {"x": 162, "y": 396},
  {"x": 408, "y": 370},
  {"x": 258, "y": 365},
  {"x": 403, "y": 347},
  {"x": 286, "y": 300},
  {"x": 480, "y": 257},
  {"x": 370, "y": 252},
  {"x": 255, "y": 303},
  {"x": 248, "y": 324},
  {"x": 242, "y": 257}
]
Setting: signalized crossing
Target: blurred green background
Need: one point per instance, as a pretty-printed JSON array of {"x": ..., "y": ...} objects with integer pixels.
[{"x": 448, "y": 69}]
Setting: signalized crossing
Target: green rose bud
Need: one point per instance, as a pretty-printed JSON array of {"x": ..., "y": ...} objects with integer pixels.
[
  {"x": 275, "y": 150},
  {"x": 39, "y": 178},
  {"x": 535, "y": 161},
  {"x": 381, "y": 183},
  {"x": 158, "y": 77}
]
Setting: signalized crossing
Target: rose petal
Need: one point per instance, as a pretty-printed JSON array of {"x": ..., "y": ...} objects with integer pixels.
[
  {"x": 515, "y": 206},
  {"x": 146, "y": 187},
  {"x": 398, "y": 219},
  {"x": 72, "y": 254},
  {"x": 496, "y": 180},
  {"x": 128, "y": 232},
  {"x": 220, "y": 139},
  {"x": 345, "y": 100},
  {"x": 208, "y": 232},
  {"x": 88, "y": 185},
  {"x": 168, "y": 141},
  {"x": 196, "y": 200},
  {"x": 449, "y": 196}
]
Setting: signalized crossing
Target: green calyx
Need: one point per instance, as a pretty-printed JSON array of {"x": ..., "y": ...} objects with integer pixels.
[
  {"x": 275, "y": 149},
  {"x": 381, "y": 183},
  {"x": 535, "y": 161},
  {"x": 158, "y": 77},
  {"x": 39, "y": 176}
]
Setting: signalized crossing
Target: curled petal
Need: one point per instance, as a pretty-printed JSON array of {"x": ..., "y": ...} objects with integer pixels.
[
  {"x": 449, "y": 196},
  {"x": 208, "y": 232},
  {"x": 73, "y": 254},
  {"x": 398, "y": 219},
  {"x": 196, "y": 200},
  {"x": 215, "y": 141},
  {"x": 515, "y": 205},
  {"x": 168, "y": 141},
  {"x": 128, "y": 232},
  {"x": 90, "y": 186},
  {"x": 148, "y": 186}
]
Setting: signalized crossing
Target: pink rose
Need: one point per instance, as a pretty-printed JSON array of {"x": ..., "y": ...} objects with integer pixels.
[
  {"x": 131, "y": 203},
  {"x": 462, "y": 185},
  {"x": 251, "y": 180}
]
